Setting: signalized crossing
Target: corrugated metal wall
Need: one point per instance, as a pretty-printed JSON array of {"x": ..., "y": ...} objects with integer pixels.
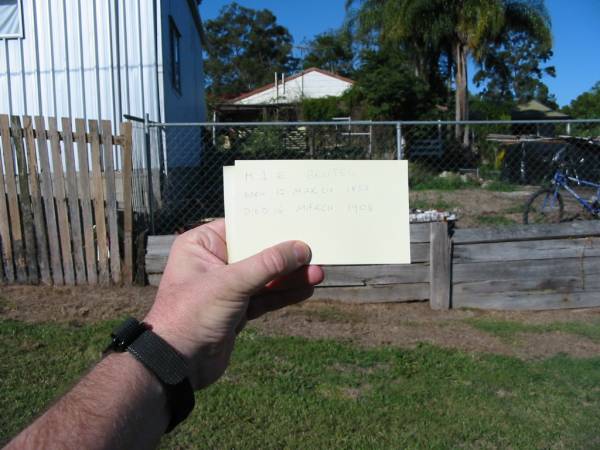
[{"x": 95, "y": 59}]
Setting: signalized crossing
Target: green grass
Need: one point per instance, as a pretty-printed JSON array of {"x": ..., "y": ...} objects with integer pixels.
[
  {"x": 501, "y": 186},
  {"x": 450, "y": 183},
  {"x": 295, "y": 393},
  {"x": 509, "y": 330},
  {"x": 494, "y": 220}
]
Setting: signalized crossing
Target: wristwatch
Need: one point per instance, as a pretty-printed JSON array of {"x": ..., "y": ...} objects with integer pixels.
[{"x": 162, "y": 360}]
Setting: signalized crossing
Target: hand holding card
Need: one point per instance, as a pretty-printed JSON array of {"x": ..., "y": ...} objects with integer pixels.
[{"x": 348, "y": 212}]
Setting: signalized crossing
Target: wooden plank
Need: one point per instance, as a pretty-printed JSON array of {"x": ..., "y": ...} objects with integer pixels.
[
  {"x": 519, "y": 250},
  {"x": 158, "y": 248},
  {"x": 154, "y": 279},
  {"x": 158, "y": 241},
  {"x": 127, "y": 203},
  {"x": 37, "y": 206},
  {"x": 525, "y": 269},
  {"x": 25, "y": 202},
  {"x": 61, "y": 202},
  {"x": 419, "y": 232},
  {"x": 86, "y": 202},
  {"x": 155, "y": 263},
  {"x": 73, "y": 197},
  {"x": 419, "y": 253},
  {"x": 13, "y": 202},
  {"x": 5, "y": 239},
  {"x": 99, "y": 210},
  {"x": 389, "y": 293},
  {"x": 156, "y": 260},
  {"x": 527, "y": 232},
  {"x": 440, "y": 265},
  {"x": 528, "y": 301},
  {"x": 48, "y": 198},
  {"x": 561, "y": 284},
  {"x": 111, "y": 201},
  {"x": 372, "y": 275}
]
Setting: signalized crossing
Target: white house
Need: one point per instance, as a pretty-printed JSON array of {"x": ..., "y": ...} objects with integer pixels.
[
  {"x": 310, "y": 83},
  {"x": 102, "y": 59}
]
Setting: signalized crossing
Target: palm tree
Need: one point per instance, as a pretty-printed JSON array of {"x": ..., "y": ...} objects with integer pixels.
[{"x": 458, "y": 28}]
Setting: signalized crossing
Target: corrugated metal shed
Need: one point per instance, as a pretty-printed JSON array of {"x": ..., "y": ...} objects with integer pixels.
[{"x": 98, "y": 59}]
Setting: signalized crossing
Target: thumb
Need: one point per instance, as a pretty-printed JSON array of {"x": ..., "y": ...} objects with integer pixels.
[{"x": 252, "y": 274}]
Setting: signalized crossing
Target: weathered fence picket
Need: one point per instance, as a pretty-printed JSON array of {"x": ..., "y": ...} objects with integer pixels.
[
  {"x": 86, "y": 202},
  {"x": 98, "y": 202},
  {"x": 25, "y": 203},
  {"x": 13, "y": 202},
  {"x": 37, "y": 207},
  {"x": 61, "y": 203},
  {"x": 48, "y": 198},
  {"x": 58, "y": 222},
  {"x": 111, "y": 200},
  {"x": 71, "y": 185},
  {"x": 7, "y": 254},
  {"x": 127, "y": 145}
]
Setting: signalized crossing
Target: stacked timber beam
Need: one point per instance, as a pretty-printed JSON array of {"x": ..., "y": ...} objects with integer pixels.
[
  {"x": 528, "y": 267},
  {"x": 359, "y": 284},
  {"x": 59, "y": 222}
]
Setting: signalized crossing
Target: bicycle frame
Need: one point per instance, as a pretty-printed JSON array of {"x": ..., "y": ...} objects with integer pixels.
[{"x": 561, "y": 180}]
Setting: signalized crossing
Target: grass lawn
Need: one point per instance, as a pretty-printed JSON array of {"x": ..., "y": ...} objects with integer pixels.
[
  {"x": 509, "y": 330},
  {"x": 284, "y": 392}
]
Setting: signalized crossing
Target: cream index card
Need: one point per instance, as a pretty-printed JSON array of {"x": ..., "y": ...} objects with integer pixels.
[{"x": 349, "y": 212}]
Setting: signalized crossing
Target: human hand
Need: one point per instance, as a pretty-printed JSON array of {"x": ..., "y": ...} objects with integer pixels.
[{"x": 202, "y": 303}]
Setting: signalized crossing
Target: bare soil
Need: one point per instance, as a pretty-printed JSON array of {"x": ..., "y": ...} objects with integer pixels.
[
  {"x": 402, "y": 325},
  {"x": 477, "y": 207}
]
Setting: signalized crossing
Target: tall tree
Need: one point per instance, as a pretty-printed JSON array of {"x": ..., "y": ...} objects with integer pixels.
[
  {"x": 244, "y": 48},
  {"x": 586, "y": 105},
  {"x": 331, "y": 50},
  {"x": 459, "y": 28},
  {"x": 512, "y": 71},
  {"x": 387, "y": 88}
]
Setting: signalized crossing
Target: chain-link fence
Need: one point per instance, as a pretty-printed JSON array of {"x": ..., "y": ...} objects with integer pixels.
[{"x": 483, "y": 172}]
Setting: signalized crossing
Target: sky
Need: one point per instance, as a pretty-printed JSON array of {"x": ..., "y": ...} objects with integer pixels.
[{"x": 575, "y": 28}]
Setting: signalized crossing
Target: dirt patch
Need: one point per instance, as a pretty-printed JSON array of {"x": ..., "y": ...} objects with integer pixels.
[
  {"x": 73, "y": 304},
  {"x": 476, "y": 207},
  {"x": 550, "y": 344},
  {"x": 402, "y": 324}
]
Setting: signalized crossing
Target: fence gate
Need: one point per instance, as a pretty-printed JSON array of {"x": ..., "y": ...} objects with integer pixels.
[{"x": 65, "y": 202}]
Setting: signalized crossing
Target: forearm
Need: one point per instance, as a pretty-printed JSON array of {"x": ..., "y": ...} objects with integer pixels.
[{"x": 119, "y": 404}]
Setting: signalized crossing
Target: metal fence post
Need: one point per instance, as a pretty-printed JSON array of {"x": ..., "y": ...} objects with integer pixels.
[
  {"x": 399, "y": 149},
  {"x": 149, "y": 169}
]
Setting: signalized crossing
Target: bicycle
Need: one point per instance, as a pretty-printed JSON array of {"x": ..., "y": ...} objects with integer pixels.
[{"x": 547, "y": 205}]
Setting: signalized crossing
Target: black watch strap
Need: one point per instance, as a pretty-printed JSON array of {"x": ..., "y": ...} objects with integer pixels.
[{"x": 162, "y": 360}]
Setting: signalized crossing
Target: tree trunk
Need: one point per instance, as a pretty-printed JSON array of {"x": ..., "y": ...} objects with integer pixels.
[{"x": 462, "y": 94}]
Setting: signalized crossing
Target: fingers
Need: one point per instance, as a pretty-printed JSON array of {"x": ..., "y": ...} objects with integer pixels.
[
  {"x": 218, "y": 226},
  {"x": 272, "y": 301},
  {"x": 210, "y": 236},
  {"x": 252, "y": 274},
  {"x": 303, "y": 277}
]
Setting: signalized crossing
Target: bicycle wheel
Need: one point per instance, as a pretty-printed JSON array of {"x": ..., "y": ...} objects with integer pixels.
[{"x": 544, "y": 207}]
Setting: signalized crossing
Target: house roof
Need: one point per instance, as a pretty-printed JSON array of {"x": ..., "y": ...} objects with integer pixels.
[
  {"x": 534, "y": 109},
  {"x": 293, "y": 77}
]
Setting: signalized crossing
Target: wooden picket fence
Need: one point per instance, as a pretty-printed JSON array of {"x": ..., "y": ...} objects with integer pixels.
[{"x": 60, "y": 221}]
